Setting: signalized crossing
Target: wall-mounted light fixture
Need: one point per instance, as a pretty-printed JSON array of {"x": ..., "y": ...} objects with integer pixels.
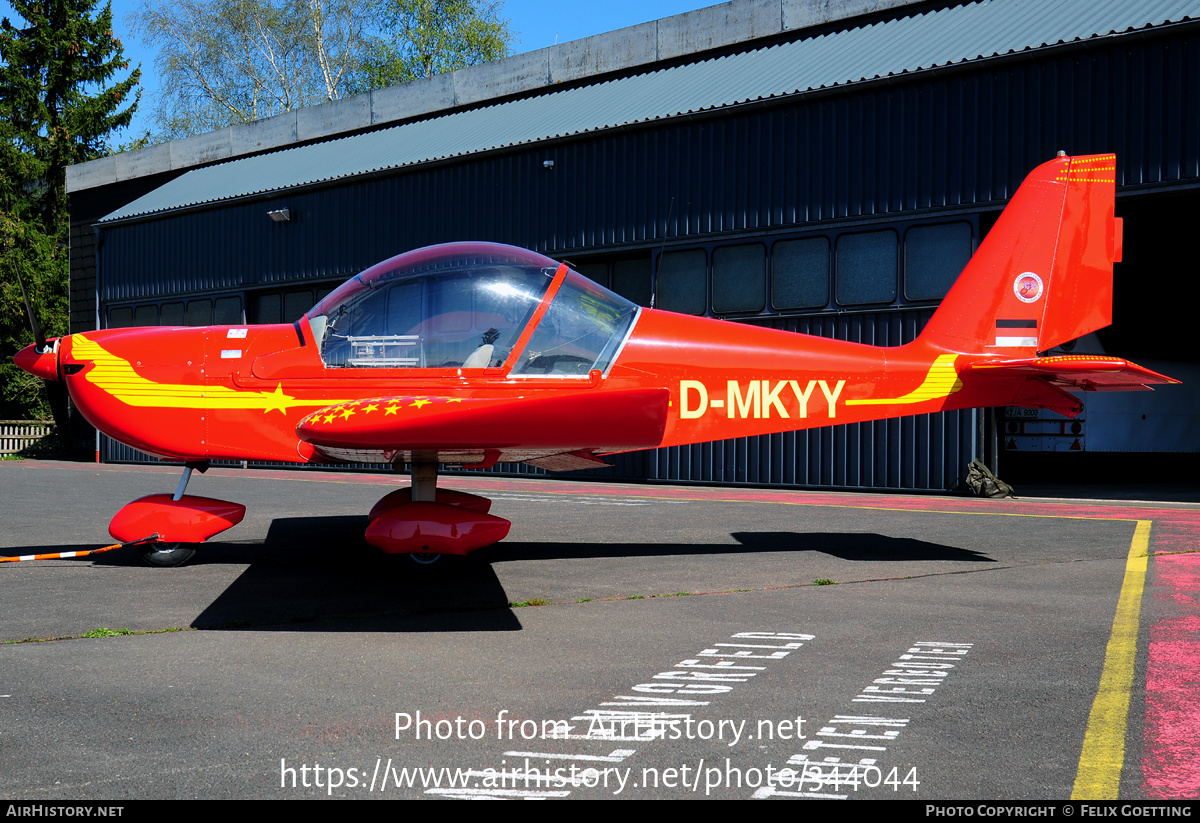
[
  {"x": 280, "y": 215},
  {"x": 547, "y": 164}
]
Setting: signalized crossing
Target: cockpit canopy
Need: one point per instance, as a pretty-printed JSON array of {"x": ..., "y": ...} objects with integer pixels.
[{"x": 465, "y": 306}]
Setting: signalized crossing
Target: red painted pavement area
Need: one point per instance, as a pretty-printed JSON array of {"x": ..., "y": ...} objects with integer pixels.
[
  {"x": 1175, "y": 528},
  {"x": 908, "y": 501},
  {"x": 1171, "y": 742}
]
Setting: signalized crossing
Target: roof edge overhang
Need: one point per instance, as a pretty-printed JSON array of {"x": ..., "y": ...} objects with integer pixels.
[
  {"x": 686, "y": 90},
  {"x": 679, "y": 38}
]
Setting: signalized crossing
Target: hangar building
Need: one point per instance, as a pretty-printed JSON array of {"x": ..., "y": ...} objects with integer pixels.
[{"x": 817, "y": 167}]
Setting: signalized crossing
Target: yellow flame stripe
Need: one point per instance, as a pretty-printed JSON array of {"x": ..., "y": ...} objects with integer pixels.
[
  {"x": 116, "y": 377},
  {"x": 941, "y": 381}
]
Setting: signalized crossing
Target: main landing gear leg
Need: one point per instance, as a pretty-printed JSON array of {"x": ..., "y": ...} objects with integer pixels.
[
  {"x": 426, "y": 522},
  {"x": 424, "y": 481},
  {"x": 424, "y": 490}
]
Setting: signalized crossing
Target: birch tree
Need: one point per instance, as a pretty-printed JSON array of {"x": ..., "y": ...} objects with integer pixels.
[{"x": 234, "y": 61}]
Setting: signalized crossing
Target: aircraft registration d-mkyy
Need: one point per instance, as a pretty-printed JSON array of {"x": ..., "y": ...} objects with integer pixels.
[{"x": 471, "y": 354}]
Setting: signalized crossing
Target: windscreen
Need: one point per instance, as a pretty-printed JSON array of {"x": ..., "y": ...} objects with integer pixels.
[{"x": 582, "y": 330}]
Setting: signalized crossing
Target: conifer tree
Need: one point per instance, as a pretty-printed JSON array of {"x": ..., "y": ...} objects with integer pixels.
[{"x": 60, "y": 102}]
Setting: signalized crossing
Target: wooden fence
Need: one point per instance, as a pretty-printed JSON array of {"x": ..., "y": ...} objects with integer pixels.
[{"x": 18, "y": 435}]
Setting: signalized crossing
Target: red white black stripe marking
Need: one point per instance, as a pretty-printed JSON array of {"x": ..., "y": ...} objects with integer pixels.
[{"x": 1016, "y": 333}]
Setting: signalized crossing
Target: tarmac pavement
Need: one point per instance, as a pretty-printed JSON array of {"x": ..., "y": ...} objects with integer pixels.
[{"x": 678, "y": 642}]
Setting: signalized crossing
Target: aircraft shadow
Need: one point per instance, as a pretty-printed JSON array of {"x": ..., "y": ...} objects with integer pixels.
[
  {"x": 843, "y": 545},
  {"x": 859, "y": 546},
  {"x": 319, "y": 574}
]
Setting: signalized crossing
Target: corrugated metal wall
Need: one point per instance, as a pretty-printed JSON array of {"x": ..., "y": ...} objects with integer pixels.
[
  {"x": 880, "y": 152},
  {"x": 962, "y": 138}
]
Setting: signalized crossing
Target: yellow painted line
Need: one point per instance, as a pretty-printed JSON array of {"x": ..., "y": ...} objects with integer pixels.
[{"x": 1103, "y": 755}]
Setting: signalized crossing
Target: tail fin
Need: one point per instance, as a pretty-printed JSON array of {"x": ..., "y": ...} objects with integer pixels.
[{"x": 1043, "y": 275}]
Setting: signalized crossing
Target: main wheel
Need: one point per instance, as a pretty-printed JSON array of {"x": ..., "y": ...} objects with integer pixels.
[
  {"x": 424, "y": 561},
  {"x": 166, "y": 555}
]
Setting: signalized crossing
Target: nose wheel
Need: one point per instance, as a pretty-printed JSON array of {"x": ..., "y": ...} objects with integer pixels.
[{"x": 166, "y": 555}]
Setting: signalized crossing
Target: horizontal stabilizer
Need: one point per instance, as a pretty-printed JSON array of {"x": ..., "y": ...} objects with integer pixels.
[{"x": 1078, "y": 372}]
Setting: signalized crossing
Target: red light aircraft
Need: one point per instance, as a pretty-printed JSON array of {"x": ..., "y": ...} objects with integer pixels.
[{"x": 475, "y": 353}]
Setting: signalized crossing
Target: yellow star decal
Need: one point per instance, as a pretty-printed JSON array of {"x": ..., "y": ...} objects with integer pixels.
[
  {"x": 276, "y": 400},
  {"x": 346, "y": 412},
  {"x": 390, "y": 410},
  {"x": 329, "y": 417},
  {"x": 372, "y": 407},
  {"x": 419, "y": 403}
]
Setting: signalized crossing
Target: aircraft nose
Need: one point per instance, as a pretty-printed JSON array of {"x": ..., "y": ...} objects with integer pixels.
[{"x": 41, "y": 363}]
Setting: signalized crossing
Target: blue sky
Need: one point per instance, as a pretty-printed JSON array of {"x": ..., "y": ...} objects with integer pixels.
[{"x": 536, "y": 23}]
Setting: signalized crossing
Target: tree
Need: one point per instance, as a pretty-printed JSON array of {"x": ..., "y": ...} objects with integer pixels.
[
  {"x": 42, "y": 262},
  {"x": 57, "y": 110},
  {"x": 224, "y": 62},
  {"x": 59, "y": 107},
  {"x": 433, "y": 36},
  {"x": 234, "y": 61}
]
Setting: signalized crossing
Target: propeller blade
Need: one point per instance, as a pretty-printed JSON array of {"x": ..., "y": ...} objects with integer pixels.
[
  {"x": 34, "y": 325},
  {"x": 56, "y": 390}
]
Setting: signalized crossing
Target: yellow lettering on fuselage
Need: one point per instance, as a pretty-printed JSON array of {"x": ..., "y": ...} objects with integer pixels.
[
  {"x": 832, "y": 396},
  {"x": 757, "y": 399},
  {"x": 686, "y": 410},
  {"x": 749, "y": 406},
  {"x": 802, "y": 396}
]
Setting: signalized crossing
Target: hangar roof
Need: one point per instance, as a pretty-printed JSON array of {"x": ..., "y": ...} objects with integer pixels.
[{"x": 939, "y": 38}]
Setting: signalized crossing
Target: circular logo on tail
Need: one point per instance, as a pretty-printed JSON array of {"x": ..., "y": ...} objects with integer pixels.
[{"x": 1027, "y": 287}]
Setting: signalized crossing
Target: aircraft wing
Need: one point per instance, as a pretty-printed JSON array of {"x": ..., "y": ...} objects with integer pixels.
[{"x": 556, "y": 430}]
